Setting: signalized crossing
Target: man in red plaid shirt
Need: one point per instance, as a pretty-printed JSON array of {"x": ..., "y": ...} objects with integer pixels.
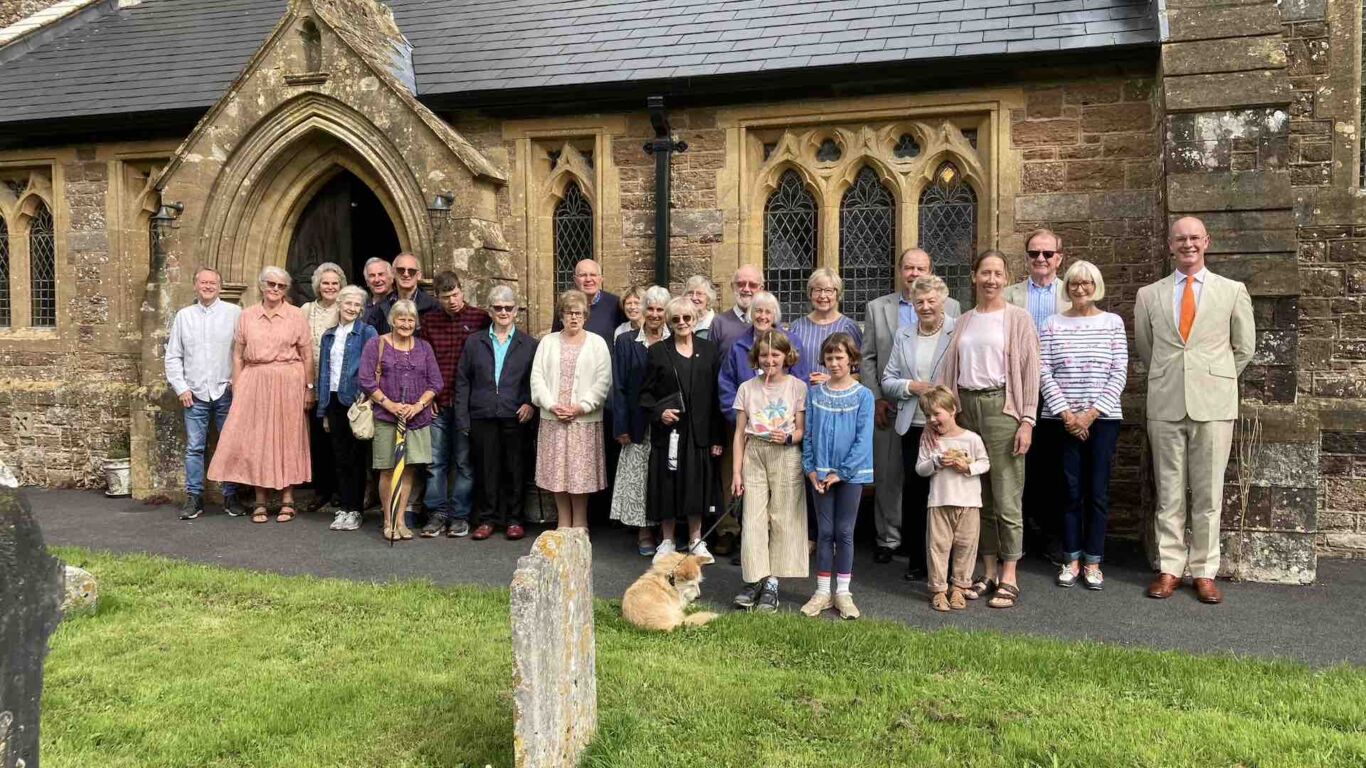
[{"x": 450, "y": 482}]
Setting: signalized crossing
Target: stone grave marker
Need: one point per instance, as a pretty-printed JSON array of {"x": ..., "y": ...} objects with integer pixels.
[{"x": 555, "y": 696}]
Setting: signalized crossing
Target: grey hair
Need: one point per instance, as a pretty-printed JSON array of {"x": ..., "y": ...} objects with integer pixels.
[
  {"x": 656, "y": 296},
  {"x": 279, "y": 274},
  {"x": 765, "y": 300},
  {"x": 929, "y": 284},
  {"x": 402, "y": 308},
  {"x": 323, "y": 268},
  {"x": 353, "y": 290},
  {"x": 703, "y": 282},
  {"x": 502, "y": 293},
  {"x": 374, "y": 259}
]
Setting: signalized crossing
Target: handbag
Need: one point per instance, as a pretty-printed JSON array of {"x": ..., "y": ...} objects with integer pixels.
[{"x": 361, "y": 414}]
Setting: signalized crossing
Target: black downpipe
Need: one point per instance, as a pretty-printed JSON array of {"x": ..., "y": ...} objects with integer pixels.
[{"x": 662, "y": 146}]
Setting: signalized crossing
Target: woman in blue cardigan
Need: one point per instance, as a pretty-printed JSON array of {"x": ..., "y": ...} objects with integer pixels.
[{"x": 338, "y": 387}]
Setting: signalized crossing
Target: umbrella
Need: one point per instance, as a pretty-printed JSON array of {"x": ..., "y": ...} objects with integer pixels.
[{"x": 400, "y": 464}]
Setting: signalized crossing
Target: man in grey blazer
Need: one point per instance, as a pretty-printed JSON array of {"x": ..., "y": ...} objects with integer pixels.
[
  {"x": 1195, "y": 334},
  {"x": 1043, "y": 294},
  {"x": 883, "y": 317}
]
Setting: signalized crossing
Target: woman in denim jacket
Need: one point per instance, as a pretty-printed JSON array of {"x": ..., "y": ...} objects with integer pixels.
[{"x": 338, "y": 388}]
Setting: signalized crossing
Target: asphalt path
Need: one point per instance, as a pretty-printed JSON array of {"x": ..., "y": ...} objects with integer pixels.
[{"x": 1320, "y": 624}]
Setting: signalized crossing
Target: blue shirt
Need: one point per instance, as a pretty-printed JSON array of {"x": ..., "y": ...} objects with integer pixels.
[
  {"x": 1042, "y": 303},
  {"x": 906, "y": 316},
  {"x": 500, "y": 352},
  {"x": 839, "y": 433}
]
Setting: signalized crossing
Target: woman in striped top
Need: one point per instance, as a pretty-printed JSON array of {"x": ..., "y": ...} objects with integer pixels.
[
  {"x": 808, "y": 333},
  {"x": 1084, "y": 360}
]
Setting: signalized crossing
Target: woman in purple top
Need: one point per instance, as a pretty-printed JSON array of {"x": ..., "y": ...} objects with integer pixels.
[
  {"x": 808, "y": 334},
  {"x": 398, "y": 371}
]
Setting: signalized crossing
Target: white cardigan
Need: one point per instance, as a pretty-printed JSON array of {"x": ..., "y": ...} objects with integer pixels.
[{"x": 592, "y": 376}]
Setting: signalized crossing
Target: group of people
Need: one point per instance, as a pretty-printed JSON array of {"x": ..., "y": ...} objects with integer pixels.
[{"x": 669, "y": 411}]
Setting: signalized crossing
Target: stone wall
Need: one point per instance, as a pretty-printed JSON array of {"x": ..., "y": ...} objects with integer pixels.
[
  {"x": 14, "y": 10},
  {"x": 1090, "y": 164}
]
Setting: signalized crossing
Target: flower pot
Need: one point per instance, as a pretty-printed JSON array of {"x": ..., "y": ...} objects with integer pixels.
[{"x": 116, "y": 477}]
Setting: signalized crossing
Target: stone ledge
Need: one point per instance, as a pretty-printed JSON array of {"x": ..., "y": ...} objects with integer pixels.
[
  {"x": 1192, "y": 21},
  {"x": 1232, "y": 90},
  {"x": 1228, "y": 191},
  {"x": 1223, "y": 55}
]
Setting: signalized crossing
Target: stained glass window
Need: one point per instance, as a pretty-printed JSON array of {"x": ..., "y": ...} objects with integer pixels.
[
  {"x": 573, "y": 235},
  {"x": 867, "y": 242},
  {"x": 948, "y": 229},
  {"x": 42, "y": 269},
  {"x": 4, "y": 275},
  {"x": 789, "y": 243}
]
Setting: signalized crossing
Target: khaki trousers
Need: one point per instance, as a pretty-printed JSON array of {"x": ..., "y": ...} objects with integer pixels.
[
  {"x": 773, "y": 539},
  {"x": 1003, "y": 486},
  {"x": 1190, "y": 454},
  {"x": 887, "y": 486},
  {"x": 953, "y": 529}
]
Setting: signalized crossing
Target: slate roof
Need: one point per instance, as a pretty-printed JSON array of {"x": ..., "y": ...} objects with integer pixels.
[{"x": 182, "y": 54}]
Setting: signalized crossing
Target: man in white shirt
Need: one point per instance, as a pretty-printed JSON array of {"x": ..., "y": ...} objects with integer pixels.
[
  {"x": 885, "y": 316},
  {"x": 199, "y": 370}
]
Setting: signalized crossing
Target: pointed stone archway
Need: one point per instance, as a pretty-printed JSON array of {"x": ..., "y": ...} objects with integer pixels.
[{"x": 328, "y": 91}]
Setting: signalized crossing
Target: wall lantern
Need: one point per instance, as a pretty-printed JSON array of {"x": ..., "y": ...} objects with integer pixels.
[
  {"x": 439, "y": 210},
  {"x": 162, "y": 222}
]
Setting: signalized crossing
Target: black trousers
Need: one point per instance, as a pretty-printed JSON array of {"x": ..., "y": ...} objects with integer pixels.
[
  {"x": 1045, "y": 495},
  {"x": 320, "y": 453},
  {"x": 498, "y": 453},
  {"x": 349, "y": 464},
  {"x": 915, "y": 498}
]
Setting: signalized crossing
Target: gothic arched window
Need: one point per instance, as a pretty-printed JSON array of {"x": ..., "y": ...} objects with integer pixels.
[
  {"x": 789, "y": 242},
  {"x": 867, "y": 242},
  {"x": 42, "y": 257},
  {"x": 573, "y": 235},
  {"x": 948, "y": 229},
  {"x": 4, "y": 275}
]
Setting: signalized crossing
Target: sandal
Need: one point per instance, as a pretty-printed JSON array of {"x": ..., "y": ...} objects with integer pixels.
[
  {"x": 260, "y": 514},
  {"x": 940, "y": 602},
  {"x": 1005, "y": 597},
  {"x": 287, "y": 513},
  {"x": 388, "y": 533},
  {"x": 980, "y": 589}
]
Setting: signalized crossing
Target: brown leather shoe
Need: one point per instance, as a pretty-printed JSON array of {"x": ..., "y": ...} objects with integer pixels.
[
  {"x": 483, "y": 531},
  {"x": 1163, "y": 586},
  {"x": 1208, "y": 592}
]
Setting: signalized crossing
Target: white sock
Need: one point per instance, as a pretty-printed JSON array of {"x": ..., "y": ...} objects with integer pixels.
[
  {"x": 773, "y": 580},
  {"x": 822, "y": 585},
  {"x": 842, "y": 583}
]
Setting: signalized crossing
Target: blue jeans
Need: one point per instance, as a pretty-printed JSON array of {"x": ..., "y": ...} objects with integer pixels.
[
  {"x": 197, "y": 438},
  {"x": 1086, "y": 473},
  {"x": 450, "y": 477}
]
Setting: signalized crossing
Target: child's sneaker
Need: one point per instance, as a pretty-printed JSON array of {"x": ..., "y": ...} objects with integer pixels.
[
  {"x": 818, "y": 604},
  {"x": 940, "y": 602},
  {"x": 844, "y": 603},
  {"x": 749, "y": 595},
  {"x": 700, "y": 551},
  {"x": 768, "y": 598},
  {"x": 956, "y": 600}
]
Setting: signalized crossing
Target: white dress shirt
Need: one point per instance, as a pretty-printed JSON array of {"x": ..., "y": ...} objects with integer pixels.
[
  {"x": 199, "y": 351},
  {"x": 1199, "y": 278},
  {"x": 337, "y": 355}
]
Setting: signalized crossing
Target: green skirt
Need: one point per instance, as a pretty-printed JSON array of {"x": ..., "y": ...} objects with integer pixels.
[{"x": 417, "y": 445}]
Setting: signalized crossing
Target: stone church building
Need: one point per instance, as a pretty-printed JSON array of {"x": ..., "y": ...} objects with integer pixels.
[{"x": 506, "y": 139}]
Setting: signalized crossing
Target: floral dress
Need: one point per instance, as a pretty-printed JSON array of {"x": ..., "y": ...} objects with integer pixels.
[{"x": 569, "y": 455}]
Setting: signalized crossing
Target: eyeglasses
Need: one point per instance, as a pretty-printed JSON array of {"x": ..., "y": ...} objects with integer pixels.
[
  {"x": 676, "y": 319},
  {"x": 823, "y": 292},
  {"x": 271, "y": 284},
  {"x": 407, "y": 271},
  {"x": 750, "y": 284},
  {"x": 1081, "y": 284},
  {"x": 504, "y": 308},
  {"x": 572, "y": 313},
  {"x": 1041, "y": 254}
]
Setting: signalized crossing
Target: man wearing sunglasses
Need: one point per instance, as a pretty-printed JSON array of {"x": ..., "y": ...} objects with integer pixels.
[
  {"x": 1043, "y": 295},
  {"x": 450, "y": 481},
  {"x": 407, "y": 275}
]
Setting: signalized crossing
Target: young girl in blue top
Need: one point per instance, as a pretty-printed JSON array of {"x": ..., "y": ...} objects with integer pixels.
[{"x": 837, "y": 457}]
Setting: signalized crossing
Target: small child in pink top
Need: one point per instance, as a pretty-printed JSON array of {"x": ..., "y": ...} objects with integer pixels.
[{"x": 954, "y": 459}]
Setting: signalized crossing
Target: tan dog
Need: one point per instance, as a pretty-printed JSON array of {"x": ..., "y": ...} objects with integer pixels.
[{"x": 655, "y": 603}]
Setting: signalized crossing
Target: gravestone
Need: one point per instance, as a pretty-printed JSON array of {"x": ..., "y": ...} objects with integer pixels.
[
  {"x": 30, "y": 595},
  {"x": 555, "y": 694}
]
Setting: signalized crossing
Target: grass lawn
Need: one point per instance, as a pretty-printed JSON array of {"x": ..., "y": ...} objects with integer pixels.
[{"x": 190, "y": 665}]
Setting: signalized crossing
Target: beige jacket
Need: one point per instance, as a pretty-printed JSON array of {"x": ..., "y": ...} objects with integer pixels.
[
  {"x": 1018, "y": 294},
  {"x": 1197, "y": 378}
]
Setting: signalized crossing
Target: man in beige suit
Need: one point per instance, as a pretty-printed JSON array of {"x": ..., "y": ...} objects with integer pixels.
[
  {"x": 1194, "y": 332},
  {"x": 883, "y": 317},
  {"x": 1043, "y": 294}
]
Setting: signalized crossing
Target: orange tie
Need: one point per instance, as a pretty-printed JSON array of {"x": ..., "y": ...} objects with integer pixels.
[{"x": 1187, "y": 309}]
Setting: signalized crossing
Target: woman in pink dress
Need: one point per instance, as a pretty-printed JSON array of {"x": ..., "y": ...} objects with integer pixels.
[{"x": 264, "y": 443}]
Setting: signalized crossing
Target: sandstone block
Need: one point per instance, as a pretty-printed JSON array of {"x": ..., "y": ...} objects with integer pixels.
[
  {"x": 1229, "y": 90},
  {"x": 1055, "y": 207},
  {"x": 1037, "y": 132},
  {"x": 81, "y": 592},
  {"x": 1230, "y": 55},
  {"x": 1228, "y": 191},
  {"x": 1278, "y": 558},
  {"x": 1112, "y": 118},
  {"x": 555, "y": 695},
  {"x": 1223, "y": 21}
]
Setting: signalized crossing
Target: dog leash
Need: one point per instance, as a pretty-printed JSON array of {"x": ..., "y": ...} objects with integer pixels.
[{"x": 732, "y": 508}]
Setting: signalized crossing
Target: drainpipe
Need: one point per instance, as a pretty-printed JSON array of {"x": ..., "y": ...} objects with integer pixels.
[{"x": 662, "y": 146}]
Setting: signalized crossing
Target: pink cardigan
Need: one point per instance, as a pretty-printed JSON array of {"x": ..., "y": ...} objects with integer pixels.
[{"x": 1022, "y": 362}]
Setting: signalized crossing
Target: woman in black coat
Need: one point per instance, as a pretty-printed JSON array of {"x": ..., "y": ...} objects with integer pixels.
[
  {"x": 686, "y": 430},
  {"x": 497, "y": 412}
]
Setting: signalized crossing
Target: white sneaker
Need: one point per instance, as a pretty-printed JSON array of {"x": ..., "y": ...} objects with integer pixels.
[
  {"x": 339, "y": 521},
  {"x": 352, "y": 521},
  {"x": 665, "y": 548},
  {"x": 700, "y": 551}
]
